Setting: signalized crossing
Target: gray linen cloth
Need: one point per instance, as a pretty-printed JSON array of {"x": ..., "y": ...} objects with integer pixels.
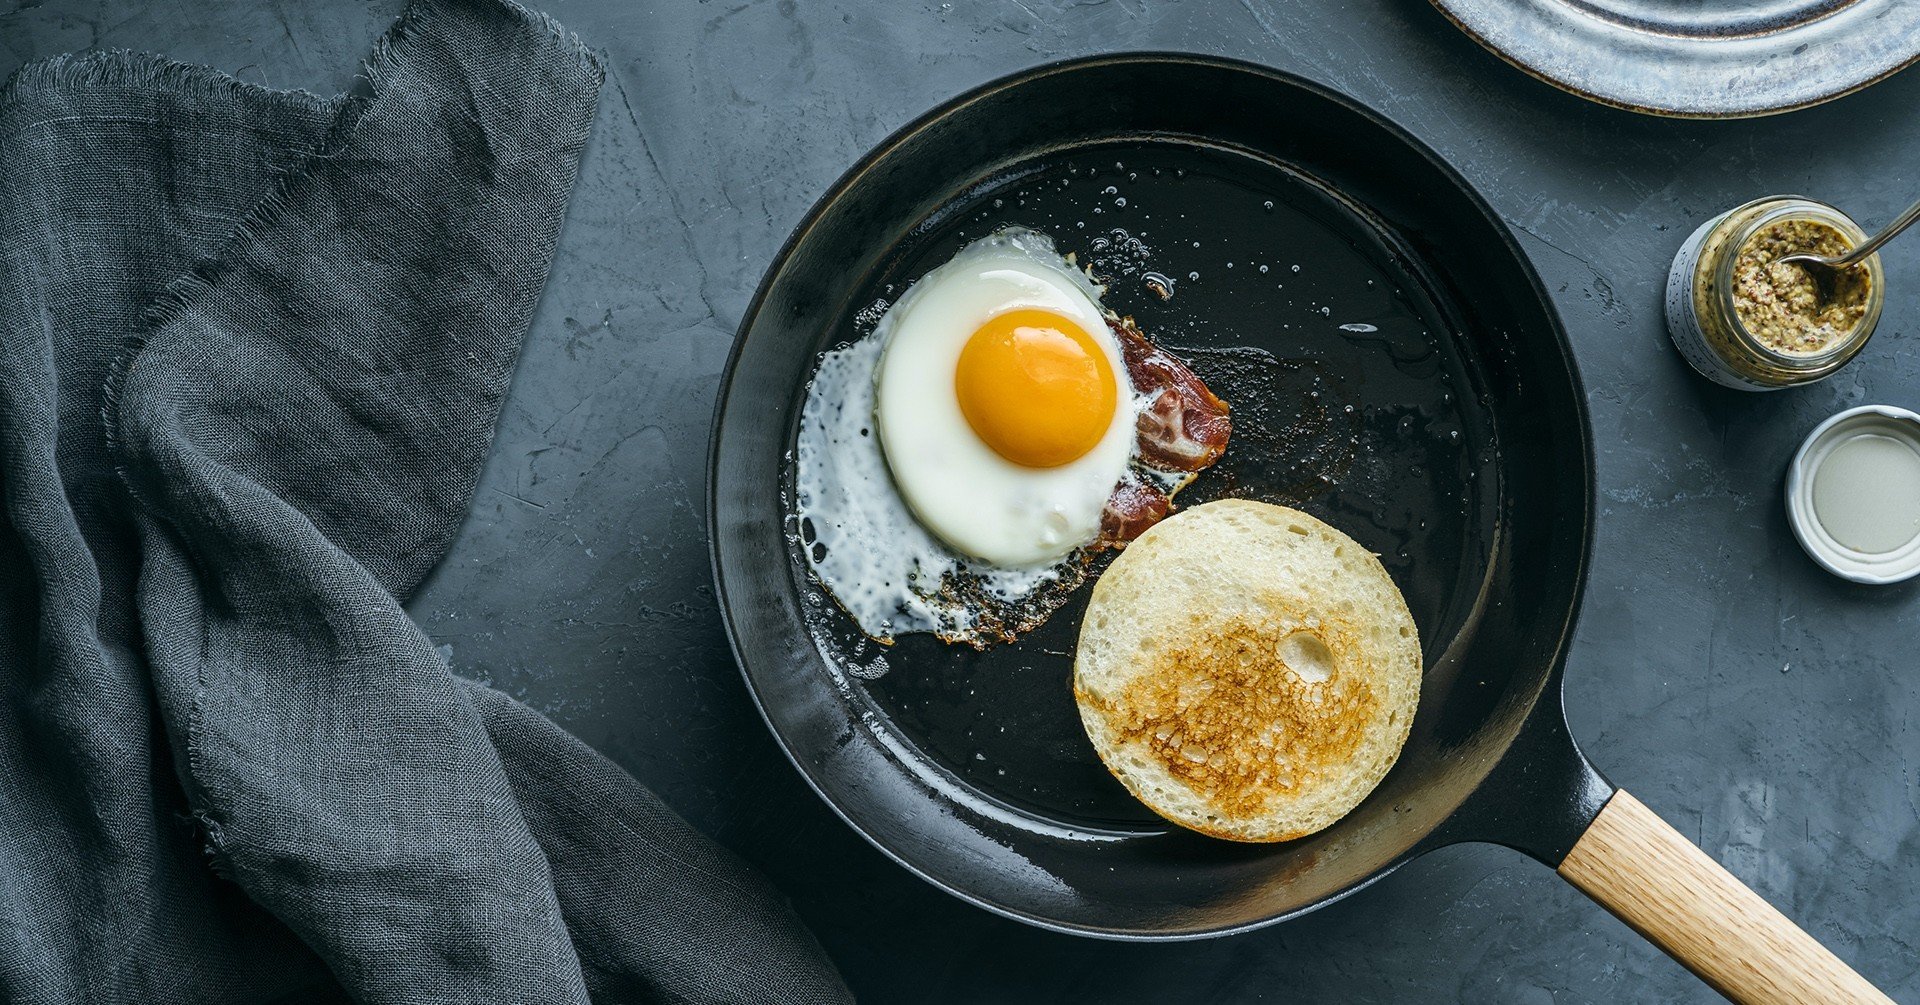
[{"x": 252, "y": 347}]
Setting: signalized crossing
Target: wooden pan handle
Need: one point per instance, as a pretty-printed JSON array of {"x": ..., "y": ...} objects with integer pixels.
[{"x": 1654, "y": 879}]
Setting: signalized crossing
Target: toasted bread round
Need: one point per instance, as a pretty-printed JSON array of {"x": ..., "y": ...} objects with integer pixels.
[{"x": 1247, "y": 671}]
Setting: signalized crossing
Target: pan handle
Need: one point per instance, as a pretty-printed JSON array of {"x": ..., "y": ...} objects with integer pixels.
[{"x": 1650, "y": 876}]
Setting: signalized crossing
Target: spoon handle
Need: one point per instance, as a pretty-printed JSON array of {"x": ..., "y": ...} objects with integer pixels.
[{"x": 1873, "y": 244}]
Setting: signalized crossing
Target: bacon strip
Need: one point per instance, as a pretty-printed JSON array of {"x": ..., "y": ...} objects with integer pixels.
[
  {"x": 1134, "y": 506},
  {"x": 1183, "y": 429},
  {"x": 1185, "y": 426}
]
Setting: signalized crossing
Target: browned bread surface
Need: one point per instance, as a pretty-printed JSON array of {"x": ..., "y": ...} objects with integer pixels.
[{"x": 1247, "y": 671}]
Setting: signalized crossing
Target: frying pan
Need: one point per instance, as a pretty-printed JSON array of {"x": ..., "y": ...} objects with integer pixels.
[{"x": 1395, "y": 369}]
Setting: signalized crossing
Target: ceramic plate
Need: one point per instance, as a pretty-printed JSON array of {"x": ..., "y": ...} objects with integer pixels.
[{"x": 1698, "y": 58}]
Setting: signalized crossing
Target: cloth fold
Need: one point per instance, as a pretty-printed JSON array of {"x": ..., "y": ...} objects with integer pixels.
[{"x": 252, "y": 348}]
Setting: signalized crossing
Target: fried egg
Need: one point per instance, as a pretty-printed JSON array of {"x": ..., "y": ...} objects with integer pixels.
[
  {"x": 949, "y": 465},
  {"x": 1000, "y": 400}
]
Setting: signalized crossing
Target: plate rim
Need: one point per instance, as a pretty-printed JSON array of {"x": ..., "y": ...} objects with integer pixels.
[{"x": 1476, "y": 20}]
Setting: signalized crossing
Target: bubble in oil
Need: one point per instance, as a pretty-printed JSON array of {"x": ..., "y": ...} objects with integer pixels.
[
  {"x": 870, "y": 671},
  {"x": 867, "y": 317}
]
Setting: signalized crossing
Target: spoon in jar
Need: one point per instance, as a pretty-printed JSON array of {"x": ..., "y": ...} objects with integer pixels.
[{"x": 1824, "y": 270}]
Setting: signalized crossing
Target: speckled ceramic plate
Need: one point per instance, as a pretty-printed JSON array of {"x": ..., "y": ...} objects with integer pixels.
[{"x": 1698, "y": 58}]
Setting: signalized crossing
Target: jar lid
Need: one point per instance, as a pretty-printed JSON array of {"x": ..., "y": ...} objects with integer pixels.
[{"x": 1853, "y": 494}]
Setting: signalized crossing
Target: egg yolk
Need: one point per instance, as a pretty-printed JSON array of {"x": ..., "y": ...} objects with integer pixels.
[{"x": 1036, "y": 388}]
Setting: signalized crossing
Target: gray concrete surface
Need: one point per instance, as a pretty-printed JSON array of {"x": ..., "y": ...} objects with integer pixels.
[{"x": 1769, "y": 711}]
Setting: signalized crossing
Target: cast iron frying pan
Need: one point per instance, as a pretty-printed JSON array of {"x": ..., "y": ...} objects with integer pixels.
[{"x": 1395, "y": 368}]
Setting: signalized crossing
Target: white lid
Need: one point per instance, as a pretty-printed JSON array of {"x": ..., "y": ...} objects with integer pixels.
[{"x": 1859, "y": 566}]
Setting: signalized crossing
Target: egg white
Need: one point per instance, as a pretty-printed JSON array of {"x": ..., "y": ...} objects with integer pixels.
[
  {"x": 981, "y": 504},
  {"x": 882, "y": 566},
  {"x": 879, "y": 557}
]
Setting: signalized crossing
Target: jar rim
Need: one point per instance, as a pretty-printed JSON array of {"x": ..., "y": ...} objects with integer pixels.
[{"x": 1794, "y": 207}]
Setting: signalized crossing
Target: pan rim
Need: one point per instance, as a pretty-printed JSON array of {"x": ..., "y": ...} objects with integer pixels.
[{"x": 1551, "y": 681}]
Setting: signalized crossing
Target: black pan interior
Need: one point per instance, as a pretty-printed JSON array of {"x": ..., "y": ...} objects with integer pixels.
[{"x": 1393, "y": 369}]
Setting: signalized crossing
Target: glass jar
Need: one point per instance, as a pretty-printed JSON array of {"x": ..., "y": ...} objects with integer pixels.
[{"x": 1705, "y": 324}]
